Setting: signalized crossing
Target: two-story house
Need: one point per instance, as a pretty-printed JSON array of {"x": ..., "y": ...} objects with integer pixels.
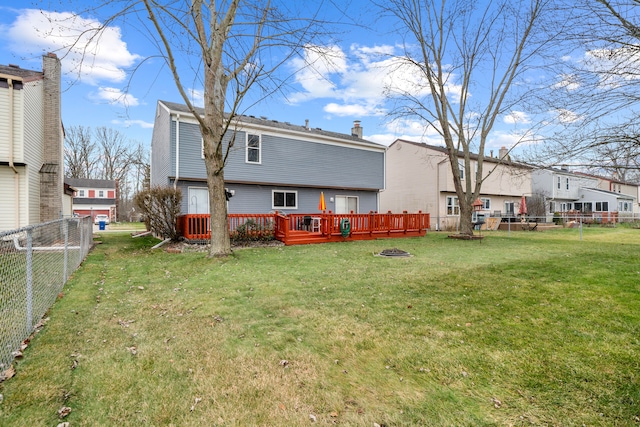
[
  {"x": 631, "y": 190},
  {"x": 565, "y": 191},
  {"x": 93, "y": 197},
  {"x": 31, "y": 145},
  {"x": 419, "y": 178},
  {"x": 272, "y": 165}
]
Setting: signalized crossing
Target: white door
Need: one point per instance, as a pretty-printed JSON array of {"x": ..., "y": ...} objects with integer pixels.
[
  {"x": 198, "y": 200},
  {"x": 346, "y": 204}
]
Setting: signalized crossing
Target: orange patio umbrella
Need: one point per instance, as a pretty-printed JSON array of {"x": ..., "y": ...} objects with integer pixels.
[{"x": 321, "y": 205}]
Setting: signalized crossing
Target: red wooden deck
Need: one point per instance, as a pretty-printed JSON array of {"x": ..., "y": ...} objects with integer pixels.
[{"x": 298, "y": 229}]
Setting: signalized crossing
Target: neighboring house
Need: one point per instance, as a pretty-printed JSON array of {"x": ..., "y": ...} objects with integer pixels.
[
  {"x": 31, "y": 145},
  {"x": 273, "y": 166},
  {"x": 93, "y": 197},
  {"x": 565, "y": 191},
  {"x": 419, "y": 178},
  {"x": 621, "y": 187}
]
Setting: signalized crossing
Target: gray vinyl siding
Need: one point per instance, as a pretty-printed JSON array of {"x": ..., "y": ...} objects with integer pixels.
[
  {"x": 258, "y": 198},
  {"x": 161, "y": 148},
  {"x": 286, "y": 161}
]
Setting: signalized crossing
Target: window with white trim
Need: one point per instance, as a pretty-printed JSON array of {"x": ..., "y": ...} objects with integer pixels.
[
  {"x": 284, "y": 199},
  {"x": 509, "y": 208},
  {"x": 100, "y": 193},
  {"x": 486, "y": 203},
  {"x": 346, "y": 204},
  {"x": 80, "y": 193},
  {"x": 567, "y": 183},
  {"x": 602, "y": 206},
  {"x": 559, "y": 183},
  {"x": 453, "y": 207},
  {"x": 253, "y": 149}
]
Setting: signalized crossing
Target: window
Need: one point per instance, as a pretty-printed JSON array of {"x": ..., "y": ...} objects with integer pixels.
[
  {"x": 100, "y": 193},
  {"x": 567, "y": 182},
  {"x": 80, "y": 193},
  {"x": 346, "y": 204},
  {"x": 624, "y": 206},
  {"x": 285, "y": 199},
  {"x": 602, "y": 206},
  {"x": 486, "y": 203},
  {"x": 552, "y": 207},
  {"x": 509, "y": 208},
  {"x": 461, "y": 168},
  {"x": 577, "y": 206},
  {"x": 254, "y": 149},
  {"x": 453, "y": 207},
  {"x": 559, "y": 183}
]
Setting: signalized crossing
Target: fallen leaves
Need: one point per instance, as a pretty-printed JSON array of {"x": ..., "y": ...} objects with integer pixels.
[
  {"x": 196, "y": 401},
  {"x": 496, "y": 403},
  {"x": 64, "y": 411},
  {"x": 8, "y": 373}
]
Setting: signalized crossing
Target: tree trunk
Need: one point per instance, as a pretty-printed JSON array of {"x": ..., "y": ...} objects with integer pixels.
[
  {"x": 466, "y": 224},
  {"x": 220, "y": 242}
]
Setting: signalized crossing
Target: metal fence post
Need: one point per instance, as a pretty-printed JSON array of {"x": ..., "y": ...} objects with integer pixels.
[
  {"x": 580, "y": 227},
  {"x": 29, "y": 280},
  {"x": 65, "y": 230}
]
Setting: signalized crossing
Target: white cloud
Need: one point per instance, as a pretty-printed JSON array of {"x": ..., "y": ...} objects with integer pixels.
[
  {"x": 568, "y": 82},
  {"x": 565, "y": 116},
  {"x": 517, "y": 117},
  {"x": 197, "y": 97},
  {"x": 85, "y": 51},
  {"x": 116, "y": 96},
  {"x": 129, "y": 123},
  {"x": 357, "y": 110}
]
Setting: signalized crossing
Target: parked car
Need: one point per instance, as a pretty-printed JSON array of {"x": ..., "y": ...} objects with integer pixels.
[{"x": 101, "y": 217}]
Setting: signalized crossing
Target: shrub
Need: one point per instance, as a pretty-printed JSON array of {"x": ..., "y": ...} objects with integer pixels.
[
  {"x": 252, "y": 231},
  {"x": 160, "y": 207}
]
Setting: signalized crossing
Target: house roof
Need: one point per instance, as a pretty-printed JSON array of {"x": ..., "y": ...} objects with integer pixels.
[
  {"x": 614, "y": 180},
  {"x": 610, "y": 193},
  {"x": 91, "y": 183},
  {"x": 263, "y": 121},
  {"x": 14, "y": 70},
  {"x": 473, "y": 156}
]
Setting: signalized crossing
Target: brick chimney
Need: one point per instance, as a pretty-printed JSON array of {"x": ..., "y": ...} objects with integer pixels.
[
  {"x": 52, "y": 171},
  {"x": 503, "y": 154},
  {"x": 356, "y": 130}
]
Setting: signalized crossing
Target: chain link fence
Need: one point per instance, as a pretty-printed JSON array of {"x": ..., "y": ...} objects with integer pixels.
[{"x": 35, "y": 263}]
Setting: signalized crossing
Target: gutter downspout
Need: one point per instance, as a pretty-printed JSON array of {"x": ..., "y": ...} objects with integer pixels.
[{"x": 175, "y": 181}]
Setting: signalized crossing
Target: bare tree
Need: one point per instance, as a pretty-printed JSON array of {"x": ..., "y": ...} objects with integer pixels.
[
  {"x": 467, "y": 57},
  {"x": 238, "y": 45},
  {"x": 598, "y": 89},
  {"x": 115, "y": 155},
  {"x": 80, "y": 157}
]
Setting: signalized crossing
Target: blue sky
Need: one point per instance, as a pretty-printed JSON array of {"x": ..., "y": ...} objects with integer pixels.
[{"x": 352, "y": 88}]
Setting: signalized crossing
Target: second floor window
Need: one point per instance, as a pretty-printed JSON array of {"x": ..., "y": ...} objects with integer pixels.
[
  {"x": 100, "y": 193},
  {"x": 254, "y": 149},
  {"x": 486, "y": 203},
  {"x": 80, "y": 193}
]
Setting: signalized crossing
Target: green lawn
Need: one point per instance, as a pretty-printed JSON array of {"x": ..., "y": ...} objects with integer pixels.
[{"x": 520, "y": 329}]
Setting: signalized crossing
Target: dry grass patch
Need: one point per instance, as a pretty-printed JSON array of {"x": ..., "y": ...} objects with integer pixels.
[{"x": 527, "y": 329}]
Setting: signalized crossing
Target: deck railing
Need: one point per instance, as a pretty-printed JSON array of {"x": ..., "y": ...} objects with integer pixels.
[{"x": 310, "y": 227}]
